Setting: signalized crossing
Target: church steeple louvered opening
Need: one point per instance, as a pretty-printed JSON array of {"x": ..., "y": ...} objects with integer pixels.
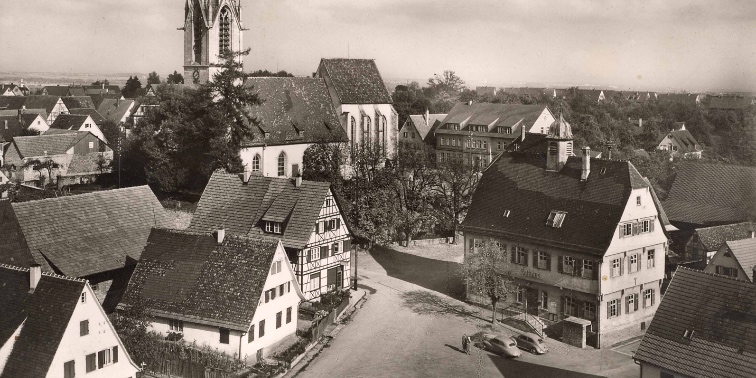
[{"x": 225, "y": 31}]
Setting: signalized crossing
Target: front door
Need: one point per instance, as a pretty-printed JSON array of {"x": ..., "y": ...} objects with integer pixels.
[{"x": 531, "y": 298}]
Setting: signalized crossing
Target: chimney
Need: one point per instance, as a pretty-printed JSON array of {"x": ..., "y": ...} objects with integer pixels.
[
  {"x": 298, "y": 181},
  {"x": 469, "y": 102},
  {"x": 640, "y": 123},
  {"x": 103, "y": 85},
  {"x": 220, "y": 235},
  {"x": 35, "y": 273},
  {"x": 586, "y": 164},
  {"x": 753, "y": 234},
  {"x": 427, "y": 117},
  {"x": 245, "y": 178}
]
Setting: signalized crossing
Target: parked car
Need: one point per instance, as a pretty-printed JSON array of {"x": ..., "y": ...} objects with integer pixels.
[
  {"x": 532, "y": 342},
  {"x": 503, "y": 345}
]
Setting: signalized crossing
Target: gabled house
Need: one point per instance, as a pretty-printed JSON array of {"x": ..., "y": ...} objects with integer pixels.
[
  {"x": 96, "y": 117},
  {"x": 477, "y": 132},
  {"x": 20, "y": 124},
  {"x": 3, "y": 180},
  {"x": 76, "y": 156},
  {"x": 363, "y": 102},
  {"x": 296, "y": 113},
  {"x": 141, "y": 108},
  {"x": 53, "y": 105},
  {"x": 235, "y": 294},
  {"x": 305, "y": 215},
  {"x": 73, "y": 102},
  {"x": 62, "y": 90},
  {"x": 417, "y": 127},
  {"x": 736, "y": 259},
  {"x": 705, "y": 194},
  {"x": 97, "y": 99},
  {"x": 703, "y": 328},
  {"x": 680, "y": 142},
  {"x": 13, "y": 90},
  {"x": 53, "y": 326},
  {"x": 78, "y": 122},
  {"x": 118, "y": 111},
  {"x": 96, "y": 236},
  {"x": 700, "y": 247},
  {"x": 542, "y": 209}
]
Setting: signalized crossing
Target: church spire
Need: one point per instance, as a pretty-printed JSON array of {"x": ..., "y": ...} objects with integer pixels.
[{"x": 211, "y": 27}]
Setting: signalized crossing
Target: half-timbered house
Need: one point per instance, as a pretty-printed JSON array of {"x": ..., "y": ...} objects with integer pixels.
[{"x": 304, "y": 215}]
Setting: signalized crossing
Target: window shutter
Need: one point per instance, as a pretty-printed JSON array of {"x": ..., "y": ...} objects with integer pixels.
[
  {"x": 548, "y": 261},
  {"x": 621, "y": 228},
  {"x": 115, "y": 354},
  {"x": 651, "y": 225},
  {"x": 472, "y": 245},
  {"x": 309, "y": 255},
  {"x": 622, "y": 266},
  {"x": 348, "y": 245},
  {"x": 608, "y": 307},
  {"x": 619, "y": 308},
  {"x": 627, "y": 304},
  {"x": 636, "y": 302},
  {"x": 317, "y": 228},
  {"x": 100, "y": 359},
  {"x": 640, "y": 260},
  {"x": 91, "y": 362},
  {"x": 514, "y": 255},
  {"x": 653, "y": 293},
  {"x": 323, "y": 252},
  {"x": 338, "y": 223},
  {"x": 595, "y": 271},
  {"x": 578, "y": 270},
  {"x": 560, "y": 266},
  {"x": 535, "y": 258},
  {"x": 719, "y": 269}
]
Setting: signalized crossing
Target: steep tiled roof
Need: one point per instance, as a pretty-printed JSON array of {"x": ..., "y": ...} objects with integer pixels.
[
  {"x": 68, "y": 121},
  {"x": 96, "y": 117},
  {"x": 357, "y": 81},
  {"x": 730, "y": 102},
  {"x": 713, "y": 237},
  {"x": 745, "y": 252},
  {"x": 517, "y": 183},
  {"x": 720, "y": 313},
  {"x": 14, "y": 126},
  {"x": 685, "y": 140},
  {"x": 294, "y": 110},
  {"x": 78, "y": 102},
  {"x": 240, "y": 207},
  {"x": 189, "y": 276},
  {"x": 30, "y": 102},
  {"x": 424, "y": 128},
  {"x": 46, "y": 144},
  {"x": 89, "y": 233},
  {"x": 45, "y": 312},
  {"x": 114, "y": 109},
  {"x": 14, "y": 250},
  {"x": 506, "y": 115},
  {"x": 97, "y": 99},
  {"x": 712, "y": 193},
  {"x": 56, "y": 90}
]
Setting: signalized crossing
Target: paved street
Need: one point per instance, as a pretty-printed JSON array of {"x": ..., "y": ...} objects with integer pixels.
[{"x": 412, "y": 325}]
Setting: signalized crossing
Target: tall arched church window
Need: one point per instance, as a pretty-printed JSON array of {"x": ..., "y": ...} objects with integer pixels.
[
  {"x": 198, "y": 32},
  {"x": 381, "y": 133},
  {"x": 366, "y": 131},
  {"x": 282, "y": 164},
  {"x": 353, "y": 135},
  {"x": 225, "y": 31},
  {"x": 256, "y": 163}
]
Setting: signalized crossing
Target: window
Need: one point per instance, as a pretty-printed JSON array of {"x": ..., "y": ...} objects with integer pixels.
[
  {"x": 273, "y": 227},
  {"x": 645, "y": 226},
  {"x": 91, "y": 361},
  {"x": 521, "y": 256},
  {"x": 520, "y": 294},
  {"x": 650, "y": 258},
  {"x": 272, "y": 293},
  {"x": 648, "y": 298},
  {"x": 616, "y": 267},
  {"x": 224, "y": 333},
  {"x": 84, "y": 327},
  {"x": 587, "y": 269},
  {"x": 612, "y": 308},
  {"x": 353, "y": 139},
  {"x": 288, "y": 315},
  {"x": 544, "y": 260},
  {"x": 256, "y": 163},
  {"x": 224, "y": 41},
  {"x": 365, "y": 131},
  {"x": 413, "y": 135},
  {"x": 568, "y": 265},
  {"x": 443, "y": 141},
  {"x": 251, "y": 334},
  {"x": 555, "y": 218},
  {"x": 335, "y": 248},
  {"x": 261, "y": 327},
  {"x": 631, "y": 303},
  {"x": 626, "y": 229},
  {"x": 569, "y": 306},
  {"x": 638, "y": 200},
  {"x": 315, "y": 281},
  {"x": 176, "y": 325},
  {"x": 282, "y": 164},
  {"x": 544, "y": 302},
  {"x": 275, "y": 267},
  {"x": 589, "y": 310},
  {"x": 69, "y": 369},
  {"x": 107, "y": 357},
  {"x": 91, "y": 145},
  {"x": 498, "y": 146},
  {"x": 634, "y": 265},
  {"x": 723, "y": 270},
  {"x": 279, "y": 315},
  {"x": 405, "y": 135},
  {"x": 83, "y": 297}
]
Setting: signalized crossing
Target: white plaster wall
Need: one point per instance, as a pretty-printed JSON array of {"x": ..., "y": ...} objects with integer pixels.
[
  {"x": 202, "y": 334},
  {"x": 387, "y": 110},
  {"x": 101, "y": 336},
  {"x": 729, "y": 262},
  {"x": 269, "y": 157},
  {"x": 541, "y": 125},
  {"x": 59, "y": 108},
  {"x": 39, "y": 125}
]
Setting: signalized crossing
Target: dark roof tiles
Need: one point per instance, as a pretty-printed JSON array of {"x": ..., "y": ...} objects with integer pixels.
[
  {"x": 713, "y": 237},
  {"x": 47, "y": 144},
  {"x": 745, "y": 252},
  {"x": 78, "y": 102},
  {"x": 356, "y": 81}
]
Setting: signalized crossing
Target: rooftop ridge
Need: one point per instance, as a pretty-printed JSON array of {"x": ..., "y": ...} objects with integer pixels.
[
  {"x": 679, "y": 267},
  {"x": 53, "y": 275},
  {"x": 92, "y": 194}
]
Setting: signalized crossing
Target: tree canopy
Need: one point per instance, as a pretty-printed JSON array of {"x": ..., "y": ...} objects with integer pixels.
[
  {"x": 153, "y": 78},
  {"x": 132, "y": 87},
  {"x": 175, "y": 78}
]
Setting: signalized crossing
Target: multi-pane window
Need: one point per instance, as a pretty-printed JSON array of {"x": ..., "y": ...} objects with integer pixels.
[
  {"x": 282, "y": 164},
  {"x": 543, "y": 260},
  {"x": 568, "y": 265},
  {"x": 176, "y": 325},
  {"x": 727, "y": 271},
  {"x": 544, "y": 300},
  {"x": 366, "y": 131},
  {"x": 587, "y": 269},
  {"x": 616, "y": 267},
  {"x": 612, "y": 308},
  {"x": 650, "y": 258},
  {"x": 648, "y": 297},
  {"x": 569, "y": 306},
  {"x": 631, "y": 303},
  {"x": 498, "y": 146},
  {"x": 315, "y": 281},
  {"x": 521, "y": 256},
  {"x": 256, "y": 163},
  {"x": 83, "y": 297},
  {"x": 443, "y": 141},
  {"x": 589, "y": 310},
  {"x": 520, "y": 293},
  {"x": 353, "y": 139},
  {"x": 224, "y": 42},
  {"x": 626, "y": 229},
  {"x": 645, "y": 226},
  {"x": 634, "y": 265},
  {"x": 382, "y": 133},
  {"x": 275, "y": 267},
  {"x": 335, "y": 248},
  {"x": 224, "y": 335}
]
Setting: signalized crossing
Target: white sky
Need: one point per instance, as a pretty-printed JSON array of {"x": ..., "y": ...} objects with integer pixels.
[{"x": 684, "y": 44}]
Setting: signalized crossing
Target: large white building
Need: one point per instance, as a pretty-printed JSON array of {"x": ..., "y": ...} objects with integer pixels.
[
  {"x": 235, "y": 294},
  {"x": 582, "y": 237},
  {"x": 53, "y": 326}
]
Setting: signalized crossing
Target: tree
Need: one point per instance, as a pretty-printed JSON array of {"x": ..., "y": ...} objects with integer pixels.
[
  {"x": 484, "y": 276},
  {"x": 447, "y": 85},
  {"x": 153, "y": 78},
  {"x": 413, "y": 179},
  {"x": 454, "y": 186},
  {"x": 175, "y": 78},
  {"x": 101, "y": 82},
  {"x": 409, "y": 100},
  {"x": 266, "y": 73},
  {"x": 132, "y": 87},
  {"x": 43, "y": 165}
]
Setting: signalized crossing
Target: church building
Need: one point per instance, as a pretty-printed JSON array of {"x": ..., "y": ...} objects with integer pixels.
[{"x": 210, "y": 28}]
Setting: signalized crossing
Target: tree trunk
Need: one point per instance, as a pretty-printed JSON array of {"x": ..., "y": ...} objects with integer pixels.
[
  {"x": 493, "y": 314},
  {"x": 454, "y": 237}
]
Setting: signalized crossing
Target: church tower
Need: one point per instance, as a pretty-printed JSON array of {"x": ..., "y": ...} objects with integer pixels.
[
  {"x": 210, "y": 27},
  {"x": 559, "y": 141}
]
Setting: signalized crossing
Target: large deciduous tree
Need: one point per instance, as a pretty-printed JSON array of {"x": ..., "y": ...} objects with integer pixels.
[
  {"x": 454, "y": 187},
  {"x": 175, "y": 78},
  {"x": 484, "y": 274}
]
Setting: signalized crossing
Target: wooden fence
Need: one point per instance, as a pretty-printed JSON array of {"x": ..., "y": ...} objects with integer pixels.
[{"x": 317, "y": 330}]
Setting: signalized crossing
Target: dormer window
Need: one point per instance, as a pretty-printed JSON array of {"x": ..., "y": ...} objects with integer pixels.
[
  {"x": 273, "y": 227},
  {"x": 556, "y": 218}
]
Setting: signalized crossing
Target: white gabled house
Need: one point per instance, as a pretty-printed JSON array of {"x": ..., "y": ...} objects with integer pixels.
[
  {"x": 305, "y": 215},
  {"x": 57, "y": 323},
  {"x": 236, "y": 294}
]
